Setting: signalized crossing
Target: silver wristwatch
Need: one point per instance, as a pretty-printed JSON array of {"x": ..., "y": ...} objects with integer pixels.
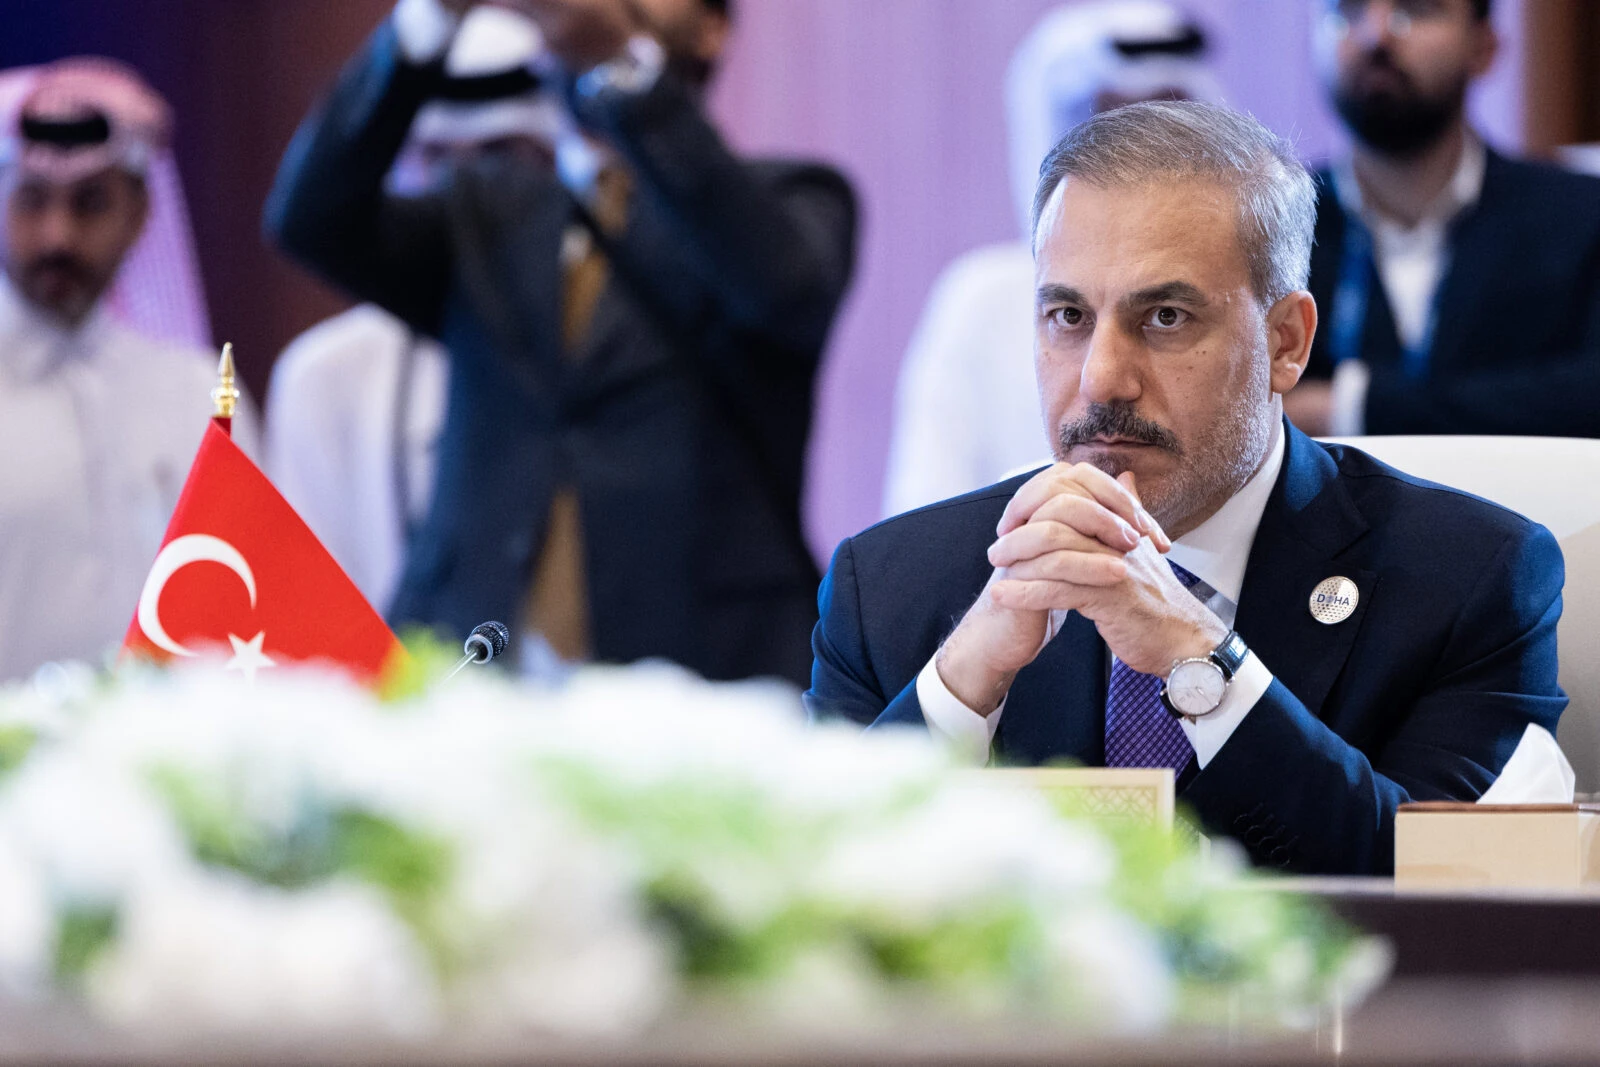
[{"x": 1195, "y": 687}]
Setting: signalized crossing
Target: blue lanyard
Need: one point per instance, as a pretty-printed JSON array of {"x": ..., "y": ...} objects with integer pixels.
[{"x": 1352, "y": 298}]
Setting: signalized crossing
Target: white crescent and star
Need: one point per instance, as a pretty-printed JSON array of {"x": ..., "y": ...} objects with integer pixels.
[{"x": 177, "y": 554}]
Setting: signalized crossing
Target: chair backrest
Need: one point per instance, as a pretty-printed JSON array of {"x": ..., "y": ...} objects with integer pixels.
[{"x": 1555, "y": 481}]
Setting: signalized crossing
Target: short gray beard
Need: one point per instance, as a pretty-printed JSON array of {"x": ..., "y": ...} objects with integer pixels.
[{"x": 1220, "y": 464}]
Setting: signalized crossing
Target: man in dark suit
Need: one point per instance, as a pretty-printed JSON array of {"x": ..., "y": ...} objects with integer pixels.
[
  {"x": 1305, "y": 636},
  {"x": 1460, "y": 289},
  {"x": 632, "y": 361}
]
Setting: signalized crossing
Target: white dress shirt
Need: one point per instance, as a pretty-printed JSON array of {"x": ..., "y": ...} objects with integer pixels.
[
  {"x": 1411, "y": 262},
  {"x": 1217, "y": 552},
  {"x": 98, "y": 427},
  {"x": 966, "y": 408}
]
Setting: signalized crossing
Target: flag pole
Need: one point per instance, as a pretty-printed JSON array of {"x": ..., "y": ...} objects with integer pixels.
[{"x": 225, "y": 397}]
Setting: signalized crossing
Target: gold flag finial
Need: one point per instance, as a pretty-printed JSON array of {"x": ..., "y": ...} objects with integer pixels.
[{"x": 225, "y": 396}]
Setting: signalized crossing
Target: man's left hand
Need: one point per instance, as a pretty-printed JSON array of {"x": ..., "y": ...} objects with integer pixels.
[
  {"x": 582, "y": 33},
  {"x": 1148, "y": 619}
]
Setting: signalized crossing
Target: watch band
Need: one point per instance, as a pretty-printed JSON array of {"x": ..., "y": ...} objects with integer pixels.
[{"x": 1230, "y": 655}]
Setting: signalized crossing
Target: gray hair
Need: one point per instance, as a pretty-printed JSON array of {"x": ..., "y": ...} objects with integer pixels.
[{"x": 1151, "y": 142}]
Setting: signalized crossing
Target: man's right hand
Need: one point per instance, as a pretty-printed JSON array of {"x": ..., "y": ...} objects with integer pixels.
[{"x": 1085, "y": 518}]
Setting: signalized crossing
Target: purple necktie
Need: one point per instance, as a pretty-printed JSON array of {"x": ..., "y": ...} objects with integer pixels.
[{"x": 1140, "y": 732}]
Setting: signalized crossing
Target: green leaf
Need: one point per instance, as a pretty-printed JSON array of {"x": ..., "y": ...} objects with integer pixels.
[
  {"x": 987, "y": 943},
  {"x": 82, "y": 935},
  {"x": 385, "y": 854},
  {"x": 429, "y": 658},
  {"x": 221, "y": 835},
  {"x": 16, "y": 742},
  {"x": 412, "y": 869}
]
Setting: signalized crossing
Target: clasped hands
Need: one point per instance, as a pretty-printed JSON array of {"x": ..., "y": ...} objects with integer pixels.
[
  {"x": 1074, "y": 538},
  {"x": 581, "y": 33}
]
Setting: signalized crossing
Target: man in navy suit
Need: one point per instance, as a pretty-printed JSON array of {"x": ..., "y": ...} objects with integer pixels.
[
  {"x": 1460, "y": 289},
  {"x": 1306, "y": 637}
]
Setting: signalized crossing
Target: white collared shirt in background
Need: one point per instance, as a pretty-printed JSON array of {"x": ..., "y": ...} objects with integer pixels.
[
  {"x": 1217, "y": 552},
  {"x": 1411, "y": 262}
]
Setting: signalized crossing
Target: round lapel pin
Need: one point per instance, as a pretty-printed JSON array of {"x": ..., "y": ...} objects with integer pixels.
[{"x": 1334, "y": 600}]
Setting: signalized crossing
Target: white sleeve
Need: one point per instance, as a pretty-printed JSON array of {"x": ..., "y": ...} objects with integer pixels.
[
  {"x": 1350, "y": 381},
  {"x": 971, "y": 736},
  {"x": 968, "y": 734},
  {"x": 934, "y": 440},
  {"x": 306, "y": 442},
  {"x": 424, "y": 29},
  {"x": 1208, "y": 735}
]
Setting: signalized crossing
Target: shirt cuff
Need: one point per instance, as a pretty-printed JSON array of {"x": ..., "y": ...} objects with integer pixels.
[
  {"x": 424, "y": 29},
  {"x": 968, "y": 735},
  {"x": 1207, "y": 735},
  {"x": 1349, "y": 416}
]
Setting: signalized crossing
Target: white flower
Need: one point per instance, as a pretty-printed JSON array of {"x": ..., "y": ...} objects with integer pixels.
[
  {"x": 609, "y": 982},
  {"x": 1110, "y": 970},
  {"x": 545, "y": 926},
  {"x": 214, "y": 952},
  {"x": 27, "y": 924},
  {"x": 491, "y": 895},
  {"x": 93, "y": 832},
  {"x": 973, "y": 841},
  {"x": 828, "y": 988}
]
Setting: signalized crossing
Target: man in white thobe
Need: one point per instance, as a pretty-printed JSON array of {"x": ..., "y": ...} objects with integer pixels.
[{"x": 98, "y": 425}]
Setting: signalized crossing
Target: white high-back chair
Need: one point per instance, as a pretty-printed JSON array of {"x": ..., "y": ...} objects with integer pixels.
[{"x": 1555, "y": 481}]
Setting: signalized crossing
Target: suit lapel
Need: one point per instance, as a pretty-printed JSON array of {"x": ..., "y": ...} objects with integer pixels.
[
  {"x": 1056, "y": 707},
  {"x": 511, "y": 267},
  {"x": 1474, "y": 265},
  {"x": 1379, "y": 340},
  {"x": 1308, "y": 525}
]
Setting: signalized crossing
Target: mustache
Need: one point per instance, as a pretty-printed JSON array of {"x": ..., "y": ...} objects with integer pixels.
[
  {"x": 1116, "y": 420},
  {"x": 64, "y": 262},
  {"x": 1380, "y": 58}
]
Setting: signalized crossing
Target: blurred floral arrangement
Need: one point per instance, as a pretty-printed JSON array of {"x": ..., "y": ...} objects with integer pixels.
[{"x": 300, "y": 855}]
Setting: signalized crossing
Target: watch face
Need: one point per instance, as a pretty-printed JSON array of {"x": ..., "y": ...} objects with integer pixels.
[{"x": 1196, "y": 688}]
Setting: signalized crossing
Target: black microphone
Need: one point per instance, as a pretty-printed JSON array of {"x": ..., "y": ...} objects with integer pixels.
[{"x": 488, "y": 640}]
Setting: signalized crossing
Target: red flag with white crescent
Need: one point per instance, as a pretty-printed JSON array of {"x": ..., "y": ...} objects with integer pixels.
[{"x": 240, "y": 575}]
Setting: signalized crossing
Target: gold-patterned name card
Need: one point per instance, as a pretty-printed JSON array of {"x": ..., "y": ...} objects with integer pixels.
[{"x": 1118, "y": 793}]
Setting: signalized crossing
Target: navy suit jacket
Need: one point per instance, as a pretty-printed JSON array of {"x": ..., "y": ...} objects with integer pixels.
[
  {"x": 1421, "y": 694},
  {"x": 1517, "y": 346},
  {"x": 682, "y": 420}
]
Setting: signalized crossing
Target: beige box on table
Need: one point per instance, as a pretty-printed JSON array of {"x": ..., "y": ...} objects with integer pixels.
[
  {"x": 1441, "y": 845},
  {"x": 1135, "y": 794}
]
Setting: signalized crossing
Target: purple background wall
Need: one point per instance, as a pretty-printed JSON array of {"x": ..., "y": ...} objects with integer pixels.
[{"x": 905, "y": 95}]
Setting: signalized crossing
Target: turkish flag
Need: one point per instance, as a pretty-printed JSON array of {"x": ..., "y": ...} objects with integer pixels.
[{"x": 240, "y": 575}]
